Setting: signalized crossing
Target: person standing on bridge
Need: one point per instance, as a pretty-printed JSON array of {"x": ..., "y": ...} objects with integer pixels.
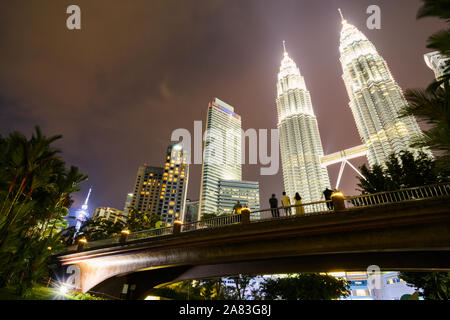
[
  {"x": 327, "y": 193},
  {"x": 286, "y": 202},
  {"x": 299, "y": 209},
  {"x": 237, "y": 208},
  {"x": 274, "y": 206}
]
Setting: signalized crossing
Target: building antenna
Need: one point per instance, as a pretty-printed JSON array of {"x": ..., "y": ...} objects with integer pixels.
[
  {"x": 284, "y": 47},
  {"x": 342, "y": 16}
]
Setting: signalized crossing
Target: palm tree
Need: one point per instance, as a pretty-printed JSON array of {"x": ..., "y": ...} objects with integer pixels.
[{"x": 432, "y": 104}]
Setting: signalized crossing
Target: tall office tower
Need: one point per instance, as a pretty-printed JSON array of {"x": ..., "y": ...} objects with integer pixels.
[
  {"x": 221, "y": 153},
  {"x": 300, "y": 144},
  {"x": 436, "y": 62},
  {"x": 375, "y": 97},
  {"x": 230, "y": 192},
  {"x": 147, "y": 189},
  {"x": 174, "y": 187}
]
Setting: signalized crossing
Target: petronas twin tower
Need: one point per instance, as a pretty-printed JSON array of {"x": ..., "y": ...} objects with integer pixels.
[{"x": 375, "y": 101}]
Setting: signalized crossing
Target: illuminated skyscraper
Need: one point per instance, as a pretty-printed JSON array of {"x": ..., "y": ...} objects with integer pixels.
[
  {"x": 300, "y": 144},
  {"x": 147, "y": 189},
  {"x": 162, "y": 191},
  {"x": 436, "y": 62},
  {"x": 221, "y": 153},
  {"x": 172, "y": 201},
  {"x": 375, "y": 97}
]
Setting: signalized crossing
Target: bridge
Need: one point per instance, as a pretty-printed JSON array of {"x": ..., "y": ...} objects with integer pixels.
[{"x": 407, "y": 229}]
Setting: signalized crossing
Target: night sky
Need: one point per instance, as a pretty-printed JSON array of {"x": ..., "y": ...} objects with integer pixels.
[{"x": 140, "y": 69}]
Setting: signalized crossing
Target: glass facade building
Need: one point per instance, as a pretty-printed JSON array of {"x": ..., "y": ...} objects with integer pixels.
[
  {"x": 230, "y": 192},
  {"x": 300, "y": 143},
  {"x": 221, "y": 153}
]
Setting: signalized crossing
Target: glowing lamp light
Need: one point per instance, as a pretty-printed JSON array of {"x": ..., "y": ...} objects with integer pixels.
[
  {"x": 337, "y": 194},
  {"x": 49, "y": 248},
  {"x": 82, "y": 240},
  {"x": 63, "y": 289},
  {"x": 126, "y": 231},
  {"x": 178, "y": 222}
]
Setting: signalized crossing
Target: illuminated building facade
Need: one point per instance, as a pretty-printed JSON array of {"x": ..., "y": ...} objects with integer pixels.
[
  {"x": 172, "y": 199},
  {"x": 436, "y": 62},
  {"x": 147, "y": 189},
  {"x": 221, "y": 153},
  {"x": 109, "y": 214},
  {"x": 230, "y": 192},
  {"x": 300, "y": 143},
  {"x": 375, "y": 97}
]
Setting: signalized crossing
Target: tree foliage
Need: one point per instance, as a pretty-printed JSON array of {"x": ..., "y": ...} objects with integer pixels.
[
  {"x": 308, "y": 286},
  {"x": 403, "y": 170},
  {"x": 434, "y": 285},
  {"x": 35, "y": 189},
  {"x": 432, "y": 104},
  {"x": 99, "y": 228}
]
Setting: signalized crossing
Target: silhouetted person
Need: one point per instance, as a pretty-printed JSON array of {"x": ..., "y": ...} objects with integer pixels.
[
  {"x": 237, "y": 208},
  {"x": 286, "y": 202},
  {"x": 327, "y": 193},
  {"x": 274, "y": 206},
  {"x": 299, "y": 209}
]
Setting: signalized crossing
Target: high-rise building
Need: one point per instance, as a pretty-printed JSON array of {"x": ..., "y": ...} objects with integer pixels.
[
  {"x": 230, "y": 192},
  {"x": 221, "y": 153},
  {"x": 300, "y": 144},
  {"x": 436, "y": 62},
  {"x": 173, "y": 192},
  {"x": 127, "y": 206},
  {"x": 375, "y": 97},
  {"x": 147, "y": 189},
  {"x": 110, "y": 214}
]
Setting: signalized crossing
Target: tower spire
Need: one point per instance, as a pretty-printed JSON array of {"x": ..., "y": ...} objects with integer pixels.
[
  {"x": 284, "y": 47},
  {"x": 87, "y": 198},
  {"x": 342, "y": 16}
]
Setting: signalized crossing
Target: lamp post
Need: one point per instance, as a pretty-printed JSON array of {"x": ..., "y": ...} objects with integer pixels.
[
  {"x": 81, "y": 243},
  {"x": 338, "y": 200},
  {"x": 177, "y": 226},
  {"x": 245, "y": 215},
  {"x": 124, "y": 235}
]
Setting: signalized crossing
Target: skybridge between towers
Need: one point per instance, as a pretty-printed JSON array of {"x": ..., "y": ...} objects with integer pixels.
[{"x": 343, "y": 158}]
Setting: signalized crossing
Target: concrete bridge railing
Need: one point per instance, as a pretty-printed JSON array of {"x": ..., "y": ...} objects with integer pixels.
[{"x": 338, "y": 202}]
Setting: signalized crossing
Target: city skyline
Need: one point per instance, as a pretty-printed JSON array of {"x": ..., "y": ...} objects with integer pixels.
[{"x": 111, "y": 191}]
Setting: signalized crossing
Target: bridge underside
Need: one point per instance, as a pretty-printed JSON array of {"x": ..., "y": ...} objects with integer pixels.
[
  {"x": 402, "y": 236},
  {"x": 144, "y": 280}
]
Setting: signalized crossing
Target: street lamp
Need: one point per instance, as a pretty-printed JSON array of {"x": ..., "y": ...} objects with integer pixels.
[
  {"x": 338, "y": 200},
  {"x": 177, "y": 226},
  {"x": 124, "y": 235},
  {"x": 81, "y": 243}
]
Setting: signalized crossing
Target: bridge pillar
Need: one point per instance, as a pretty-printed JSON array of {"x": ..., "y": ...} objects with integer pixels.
[
  {"x": 338, "y": 200},
  {"x": 245, "y": 216}
]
